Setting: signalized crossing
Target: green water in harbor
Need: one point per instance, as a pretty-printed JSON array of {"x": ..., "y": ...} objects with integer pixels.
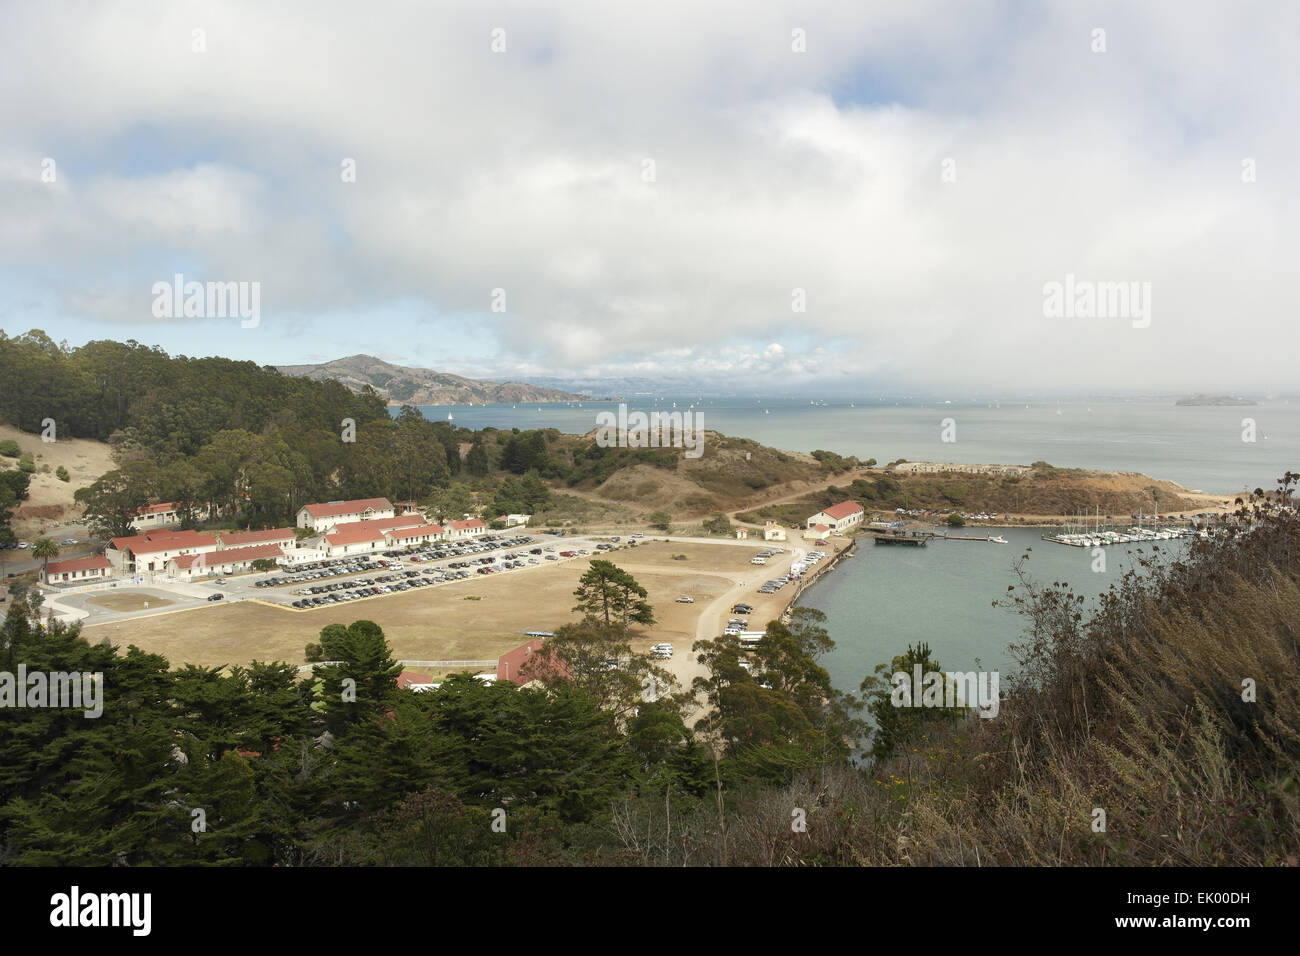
[{"x": 885, "y": 597}]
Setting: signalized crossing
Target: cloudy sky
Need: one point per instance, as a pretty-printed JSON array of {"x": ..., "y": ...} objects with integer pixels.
[{"x": 779, "y": 196}]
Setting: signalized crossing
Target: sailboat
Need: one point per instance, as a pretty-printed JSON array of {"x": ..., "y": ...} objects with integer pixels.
[{"x": 449, "y": 418}]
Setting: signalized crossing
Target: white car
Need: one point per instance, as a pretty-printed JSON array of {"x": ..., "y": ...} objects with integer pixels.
[
  {"x": 686, "y": 599},
  {"x": 638, "y": 535}
]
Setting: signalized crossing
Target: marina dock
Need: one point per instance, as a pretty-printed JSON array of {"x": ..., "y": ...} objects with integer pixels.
[{"x": 916, "y": 539}]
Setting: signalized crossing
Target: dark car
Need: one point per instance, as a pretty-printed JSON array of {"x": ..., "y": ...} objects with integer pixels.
[{"x": 215, "y": 597}]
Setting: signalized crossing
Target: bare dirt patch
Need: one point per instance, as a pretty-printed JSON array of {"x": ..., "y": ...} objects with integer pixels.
[
  {"x": 50, "y": 500},
  {"x": 128, "y": 601}
]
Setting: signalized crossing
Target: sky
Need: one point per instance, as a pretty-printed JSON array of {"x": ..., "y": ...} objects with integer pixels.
[{"x": 807, "y": 197}]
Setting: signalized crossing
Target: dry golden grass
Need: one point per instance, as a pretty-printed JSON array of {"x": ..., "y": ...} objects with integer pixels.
[{"x": 128, "y": 601}]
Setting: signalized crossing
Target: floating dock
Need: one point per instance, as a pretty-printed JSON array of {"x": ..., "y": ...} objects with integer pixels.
[{"x": 916, "y": 539}]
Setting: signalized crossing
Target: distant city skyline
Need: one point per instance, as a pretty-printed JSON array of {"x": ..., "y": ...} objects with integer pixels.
[{"x": 808, "y": 199}]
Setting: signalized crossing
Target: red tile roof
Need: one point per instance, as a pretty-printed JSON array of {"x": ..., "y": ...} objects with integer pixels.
[
  {"x": 215, "y": 559},
  {"x": 843, "y": 510},
  {"x": 156, "y": 509},
  {"x": 154, "y": 541},
  {"x": 234, "y": 539},
  {"x": 408, "y": 678},
  {"x": 79, "y": 564},
  {"x": 416, "y": 532},
  {"x": 471, "y": 523},
  {"x": 334, "y": 508},
  {"x": 372, "y": 529},
  {"x": 350, "y": 534},
  {"x": 511, "y": 665}
]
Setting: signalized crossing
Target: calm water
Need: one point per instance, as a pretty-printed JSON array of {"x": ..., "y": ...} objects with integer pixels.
[
  {"x": 1199, "y": 447},
  {"x": 885, "y": 597}
]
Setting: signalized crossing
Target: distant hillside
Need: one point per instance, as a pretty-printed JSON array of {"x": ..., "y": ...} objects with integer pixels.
[
  {"x": 1044, "y": 491},
  {"x": 1216, "y": 400},
  {"x": 423, "y": 386}
]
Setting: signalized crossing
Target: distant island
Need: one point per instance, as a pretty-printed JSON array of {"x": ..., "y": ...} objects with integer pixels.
[
  {"x": 1216, "y": 400},
  {"x": 401, "y": 385}
]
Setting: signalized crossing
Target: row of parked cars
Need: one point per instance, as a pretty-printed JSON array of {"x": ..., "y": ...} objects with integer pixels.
[
  {"x": 337, "y": 567},
  {"x": 339, "y": 591},
  {"x": 440, "y": 550},
  {"x": 321, "y": 569}
]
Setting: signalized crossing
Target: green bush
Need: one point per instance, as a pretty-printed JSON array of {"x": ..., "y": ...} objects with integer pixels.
[
  {"x": 27, "y": 463},
  {"x": 9, "y": 448}
]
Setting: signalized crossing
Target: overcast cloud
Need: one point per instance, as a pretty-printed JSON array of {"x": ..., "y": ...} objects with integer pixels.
[{"x": 773, "y": 171}]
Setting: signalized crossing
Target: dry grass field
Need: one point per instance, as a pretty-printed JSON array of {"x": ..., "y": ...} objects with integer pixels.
[{"x": 437, "y": 623}]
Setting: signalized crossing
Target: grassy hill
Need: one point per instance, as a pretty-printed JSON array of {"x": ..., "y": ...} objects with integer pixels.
[{"x": 1045, "y": 490}]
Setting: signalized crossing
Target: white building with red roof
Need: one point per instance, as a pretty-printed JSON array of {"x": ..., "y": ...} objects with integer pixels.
[
  {"x": 151, "y": 551},
  {"x": 284, "y": 537},
  {"x": 324, "y": 516},
  {"x": 420, "y": 534},
  {"x": 165, "y": 514},
  {"x": 840, "y": 517},
  {"x": 77, "y": 570},
  {"x": 189, "y": 567},
  {"x": 466, "y": 529}
]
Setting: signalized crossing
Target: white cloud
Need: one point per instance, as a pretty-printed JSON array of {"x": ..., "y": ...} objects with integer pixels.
[{"x": 524, "y": 171}]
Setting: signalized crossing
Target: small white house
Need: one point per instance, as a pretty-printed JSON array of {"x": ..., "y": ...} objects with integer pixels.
[
  {"x": 840, "y": 517},
  {"x": 772, "y": 531},
  {"x": 78, "y": 570},
  {"x": 472, "y": 528}
]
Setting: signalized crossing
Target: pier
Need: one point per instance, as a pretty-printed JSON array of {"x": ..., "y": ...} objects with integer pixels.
[{"x": 916, "y": 539}]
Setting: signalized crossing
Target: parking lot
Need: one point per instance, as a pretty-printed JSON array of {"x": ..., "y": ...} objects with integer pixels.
[{"x": 340, "y": 580}]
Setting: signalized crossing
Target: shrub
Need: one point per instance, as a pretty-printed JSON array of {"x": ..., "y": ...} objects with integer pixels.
[
  {"x": 62, "y": 474},
  {"x": 9, "y": 448},
  {"x": 27, "y": 463}
]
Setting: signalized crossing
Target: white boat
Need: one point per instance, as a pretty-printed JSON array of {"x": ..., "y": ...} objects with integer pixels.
[
  {"x": 999, "y": 540},
  {"x": 449, "y": 418}
]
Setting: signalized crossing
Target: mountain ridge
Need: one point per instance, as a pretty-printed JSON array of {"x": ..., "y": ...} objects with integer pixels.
[{"x": 402, "y": 384}]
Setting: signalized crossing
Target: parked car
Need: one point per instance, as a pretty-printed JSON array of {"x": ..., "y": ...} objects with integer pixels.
[
  {"x": 686, "y": 599},
  {"x": 216, "y": 597}
]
